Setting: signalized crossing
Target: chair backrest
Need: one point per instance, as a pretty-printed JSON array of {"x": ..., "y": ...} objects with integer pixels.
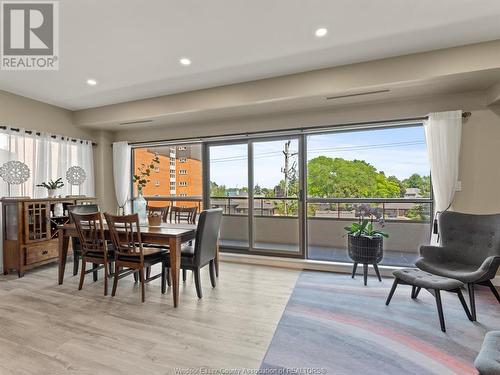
[
  {"x": 80, "y": 209},
  {"x": 207, "y": 235},
  {"x": 186, "y": 214},
  {"x": 160, "y": 211},
  {"x": 126, "y": 235},
  {"x": 475, "y": 237},
  {"x": 90, "y": 230}
]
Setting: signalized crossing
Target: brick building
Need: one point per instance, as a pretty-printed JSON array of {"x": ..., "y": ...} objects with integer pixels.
[{"x": 178, "y": 174}]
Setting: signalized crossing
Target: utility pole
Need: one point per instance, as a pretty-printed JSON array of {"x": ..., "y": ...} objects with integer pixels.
[{"x": 287, "y": 170}]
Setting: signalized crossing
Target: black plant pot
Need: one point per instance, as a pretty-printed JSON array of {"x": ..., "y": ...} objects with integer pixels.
[{"x": 365, "y": 250}]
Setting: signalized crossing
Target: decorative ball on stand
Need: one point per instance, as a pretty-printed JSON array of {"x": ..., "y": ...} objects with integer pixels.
[
  {"x": 15, "y": 172},
  {"x": 76, "y": 175}
]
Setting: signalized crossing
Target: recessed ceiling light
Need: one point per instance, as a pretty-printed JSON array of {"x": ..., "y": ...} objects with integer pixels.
[
  {"x": 321, "y": 32},
  {"x": 91, "y": 82},
  {"x": 185, "y": 61}
]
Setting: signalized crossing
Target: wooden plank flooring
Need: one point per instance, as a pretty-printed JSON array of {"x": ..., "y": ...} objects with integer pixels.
[{"x": 50, "y": 329}]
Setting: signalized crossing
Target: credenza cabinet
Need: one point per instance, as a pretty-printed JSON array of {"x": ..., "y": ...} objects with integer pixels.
[{"x": 29, "y": 228}]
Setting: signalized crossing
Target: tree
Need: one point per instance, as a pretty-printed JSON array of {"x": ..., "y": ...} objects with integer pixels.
[
  {"x": 216, "y": 190},
  {"x": 423, "y": 183}
]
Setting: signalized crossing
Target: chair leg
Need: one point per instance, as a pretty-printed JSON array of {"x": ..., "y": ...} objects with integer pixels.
[
  {"x": 472, "y": 301},
  {"x": 417, "y": 291},
  {"x": 115, "y": 279},
  {"x": 95, "y": 273},
  {"x": 184, "y": 273},
  {"x": 106, "y": 274},
  {"x": 464, "y": 304},
  {"x": 493, "y": 289},
  {"x": 169, "y": 280},
  {"x": 197, "y": 282},
  {"x": 136, "y": 277},
  {"x": 391, "y": 293},
  {"x": 211, "y": 266},
  {"x": 440, "y": 309},
  {"x": 354, "y": 267},
  {"x": 76, "y": 260},
  {"x": 413, "y": 291},
  {"x": 365, "y": 273},
  {"x": 143, "y": 291},
  {"x": 377, "y": 271},
  {"x": 163, "y": 277},
  {"x": 82, "y": 274},
  {"x": 216, "y": 267},
  {"x": 148, "y": 272}
]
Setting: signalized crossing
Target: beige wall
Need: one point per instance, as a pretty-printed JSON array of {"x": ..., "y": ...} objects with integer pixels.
[
  {"x": 20, "y": 112},
  {"x": 480, "y": 146}
]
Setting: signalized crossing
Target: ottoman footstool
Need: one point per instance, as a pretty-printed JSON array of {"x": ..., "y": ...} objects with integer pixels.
[
  {"x": 434, "y": 284},
  {"x": 488, "y": 360}
]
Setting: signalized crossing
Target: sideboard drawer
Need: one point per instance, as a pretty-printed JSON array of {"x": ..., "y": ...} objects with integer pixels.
[{"x": 35, "y": 254}]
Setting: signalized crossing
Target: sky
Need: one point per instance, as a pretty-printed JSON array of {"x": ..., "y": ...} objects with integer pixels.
[{"x": 396, "y": 151}]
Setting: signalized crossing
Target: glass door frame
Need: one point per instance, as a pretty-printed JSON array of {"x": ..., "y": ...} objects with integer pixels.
[{"x": 302, "y": 219}]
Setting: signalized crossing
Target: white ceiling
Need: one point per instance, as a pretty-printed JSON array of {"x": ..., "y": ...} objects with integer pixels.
[{"x": 132, "y": 47}]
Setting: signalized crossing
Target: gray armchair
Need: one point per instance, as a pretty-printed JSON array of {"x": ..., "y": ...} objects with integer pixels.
[{"x": 469, "y": 251}]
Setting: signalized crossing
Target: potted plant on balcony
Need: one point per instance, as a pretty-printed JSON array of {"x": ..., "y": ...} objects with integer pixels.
[
  {"x": 141, "y": 178},
  {"x": 365, "y": 243},
  {"x": 52, "y": 186}
]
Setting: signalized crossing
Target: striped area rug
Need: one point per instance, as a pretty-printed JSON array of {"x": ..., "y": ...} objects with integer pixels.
[{"x": 333, "y": 324}]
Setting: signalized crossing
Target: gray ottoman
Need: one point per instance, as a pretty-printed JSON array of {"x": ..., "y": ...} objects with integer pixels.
[
  {"x": 434, "y": 284},
  {"x": 488, "y": 359}
]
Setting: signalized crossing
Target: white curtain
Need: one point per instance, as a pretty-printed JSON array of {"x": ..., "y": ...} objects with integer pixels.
[
  {"x": 443, "y": 133},
  {"x": 48, "y": 158},
  {"x": 121, "y": 174}
]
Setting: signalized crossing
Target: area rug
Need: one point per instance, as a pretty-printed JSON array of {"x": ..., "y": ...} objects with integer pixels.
[{"x": 333, "y": 324}]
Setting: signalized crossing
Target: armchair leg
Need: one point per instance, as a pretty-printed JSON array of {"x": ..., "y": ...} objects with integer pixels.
[
  {"x": 464, "y": 304},
  {"x": 493, "y": 289},
  {"x": 391, "y": 293},
  {"x": 440, "y": 309},
  {"x": 472, "y": 301}
]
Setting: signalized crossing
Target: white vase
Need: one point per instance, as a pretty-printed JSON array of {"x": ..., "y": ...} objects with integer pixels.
[
  {"x": 51, "y": 193},
  {"x": 140, "y": 208}
]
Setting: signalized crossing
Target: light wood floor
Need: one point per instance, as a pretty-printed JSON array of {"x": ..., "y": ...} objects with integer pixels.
[{"x": 51, "y": 329}]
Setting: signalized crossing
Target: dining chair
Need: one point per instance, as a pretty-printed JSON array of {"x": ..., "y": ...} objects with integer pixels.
[
  {"x": 203, "y": 251},
  {"x": 94, "y": 247},
  {"x": 183, "y": 214},
  {"x": 160, "y": 211},
  {"x": 75, "y": 241},
  {"x": 130, "y": 251}
]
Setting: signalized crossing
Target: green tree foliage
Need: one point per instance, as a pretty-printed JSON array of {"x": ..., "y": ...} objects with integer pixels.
[
  {"x": 340, "y": 178},
  {"x": 421, "y": 182},
  {"x": 216, "y": 190}
]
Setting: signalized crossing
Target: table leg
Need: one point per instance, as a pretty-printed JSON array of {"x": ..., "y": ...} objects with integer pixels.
[
  {"x": 63, "y": 254},
  {"x": 175, "y": 266}
]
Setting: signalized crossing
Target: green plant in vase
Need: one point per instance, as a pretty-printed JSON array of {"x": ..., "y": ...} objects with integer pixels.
[
  {"x": 52, "y": 186},
  {"x": 141, "y": 179}
]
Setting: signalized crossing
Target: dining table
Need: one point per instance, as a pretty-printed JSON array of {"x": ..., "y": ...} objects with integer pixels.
[{"x": 168, "y": 234}]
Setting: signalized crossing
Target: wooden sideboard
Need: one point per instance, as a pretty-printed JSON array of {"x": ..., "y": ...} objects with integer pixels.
[{"x": 29, "y": 228}]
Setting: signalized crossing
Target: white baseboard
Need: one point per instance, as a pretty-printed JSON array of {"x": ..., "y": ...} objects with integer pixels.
[{"x": 306, "y": 264}]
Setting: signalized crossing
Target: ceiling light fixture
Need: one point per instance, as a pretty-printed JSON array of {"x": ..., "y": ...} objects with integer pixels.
[
  {"x": 91, "y": 82},
  {"x": 321, "y": 32},
  {"x": 185, "y": 61}
]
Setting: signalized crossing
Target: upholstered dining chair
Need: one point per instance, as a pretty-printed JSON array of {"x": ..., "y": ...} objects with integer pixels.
[
  {"x": 130, "y": 251},
  {"x": 75, "y": 242},
  {"x": 469, "y": 251},
  {"x": 203, "y": 251},
  {"x": 94, "y": 247}
]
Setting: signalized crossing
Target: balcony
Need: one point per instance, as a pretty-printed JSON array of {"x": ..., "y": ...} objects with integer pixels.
[{"x": 407, "y": 221}]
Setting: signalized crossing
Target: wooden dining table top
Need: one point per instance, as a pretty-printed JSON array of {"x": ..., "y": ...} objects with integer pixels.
[{"x": 165, "y": 229}]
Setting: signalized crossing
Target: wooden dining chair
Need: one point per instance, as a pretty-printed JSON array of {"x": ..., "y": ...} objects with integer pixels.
[
  {"x": 94, "y": 247},
  {"x": 204, "y": 250},
  {"x": 183, "y": 214},
  {"x": 75, "y": 241},
  {"x": 130, "y": 251},
  {"x": 160, "y": 211}
]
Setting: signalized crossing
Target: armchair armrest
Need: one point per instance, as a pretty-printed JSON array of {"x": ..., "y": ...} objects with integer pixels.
[
  {"x": 433, "y": 253},
  {"x": 491, "y": 264}
]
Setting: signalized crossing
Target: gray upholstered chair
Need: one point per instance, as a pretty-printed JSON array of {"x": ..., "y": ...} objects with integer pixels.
[
  {"x": 469, "y": 251},
  {"x": 488, "y": 360}
]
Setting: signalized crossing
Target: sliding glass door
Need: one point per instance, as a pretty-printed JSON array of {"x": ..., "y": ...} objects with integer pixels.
[{"x": 258, "y": 185}]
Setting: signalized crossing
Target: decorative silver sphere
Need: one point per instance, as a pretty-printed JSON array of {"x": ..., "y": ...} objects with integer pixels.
[
  {"x": 76, "y": 175},
  {"x": 15, "y": 172}
]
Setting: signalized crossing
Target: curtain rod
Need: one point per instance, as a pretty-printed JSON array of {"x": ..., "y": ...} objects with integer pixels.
[
  {"x": 465, "y": 115},
  {"x": 3, "y": 127}
]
